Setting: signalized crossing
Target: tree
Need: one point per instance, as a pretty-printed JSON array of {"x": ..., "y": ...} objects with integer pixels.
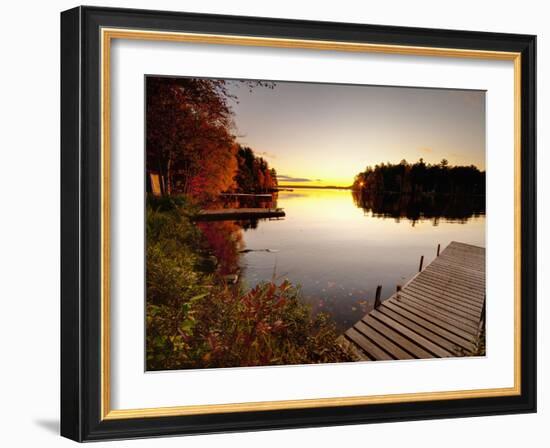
[
  {"x": 185, "y": 119},
  {"x": 190, "y": 140},
  {"x": 253, "y": 174}
]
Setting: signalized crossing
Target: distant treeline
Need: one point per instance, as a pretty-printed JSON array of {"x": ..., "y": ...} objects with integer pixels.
[
  {"x": 419, "y": 178},
  {"x": 191, "y": 144}
]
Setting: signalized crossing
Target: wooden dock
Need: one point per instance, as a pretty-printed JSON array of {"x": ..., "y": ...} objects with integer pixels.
[
  {"x": 228, "y": 214},
  {"x": 438, "y": 313},
  {"x": 248, "y": 195}
]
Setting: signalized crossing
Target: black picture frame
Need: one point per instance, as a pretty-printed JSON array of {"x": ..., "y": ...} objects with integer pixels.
[{"x": 81, "y": 224}]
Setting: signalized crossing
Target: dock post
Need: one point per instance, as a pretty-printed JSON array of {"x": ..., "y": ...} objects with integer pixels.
[
  {"x": 438, "y": 247},
  {"x": 398, "y": 288},
  {"x": 377, "y": 298},
  {"x": 421, "y": 263}
]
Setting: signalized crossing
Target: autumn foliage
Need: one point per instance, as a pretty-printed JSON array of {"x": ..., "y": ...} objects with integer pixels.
[
  {"x": 191, "y": 143},
  {"x": 253, "y": 174}
]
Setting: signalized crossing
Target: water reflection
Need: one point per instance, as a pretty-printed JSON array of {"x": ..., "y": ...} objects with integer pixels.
[
  {"x": 457, "y": 208},
  {"x": 338, "y": 247},
  {"x": 224, "y": 240}
]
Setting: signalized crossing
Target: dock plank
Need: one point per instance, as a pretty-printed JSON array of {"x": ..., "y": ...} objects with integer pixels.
[
  {"x": 457, "y": 274},
  {"x": 442, "y": 322},
  {"x": 358, "y": 354},
  {"x": 385, "y": 343},
  {"x": 452, "y": 288},
  {"x": 443, "y": 315},
  {"x": 391, "y": 330},
  {"x": 424, "y": 344},
  {"x": 372, "y": 350},
  {"x": 447, "y": 340},
  {"x": 442, "y": 329},
  {"x": 448, "y": 296},
  {"x": 443, "y": 304}
]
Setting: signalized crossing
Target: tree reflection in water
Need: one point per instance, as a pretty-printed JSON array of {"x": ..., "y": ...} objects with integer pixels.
[
  {"x": 420, "y": 207},
  {"x": 224, "y": 239}
]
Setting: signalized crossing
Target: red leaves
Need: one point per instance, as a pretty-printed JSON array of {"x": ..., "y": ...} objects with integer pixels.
[
  {"x": 189, "y": 135},
  {"x": 191, "y": 143}
]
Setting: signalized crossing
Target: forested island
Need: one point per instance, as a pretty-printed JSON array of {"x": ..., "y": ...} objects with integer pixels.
[{"x": 421, "y": 178}]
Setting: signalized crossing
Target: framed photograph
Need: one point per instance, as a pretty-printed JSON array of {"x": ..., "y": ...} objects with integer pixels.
[{"x": 273, "y": 223}]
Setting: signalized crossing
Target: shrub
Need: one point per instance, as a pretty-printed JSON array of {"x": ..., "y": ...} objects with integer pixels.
[
  {"x": 268, "y": 325},
  {"x": 195, "y": 320}
]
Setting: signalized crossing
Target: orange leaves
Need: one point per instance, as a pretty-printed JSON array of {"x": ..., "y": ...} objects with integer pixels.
[{"x": 189, "y": 135}]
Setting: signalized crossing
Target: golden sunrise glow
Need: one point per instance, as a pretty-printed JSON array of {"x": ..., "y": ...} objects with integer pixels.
[{"x": 324, "y": 134}]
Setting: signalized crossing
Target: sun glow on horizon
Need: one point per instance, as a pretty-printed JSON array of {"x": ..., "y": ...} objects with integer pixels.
[
  {"x": 325, "y": 177},
  {"x": 325, "y": 134}
]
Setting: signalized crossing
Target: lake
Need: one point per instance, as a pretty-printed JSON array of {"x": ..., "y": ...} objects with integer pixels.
[{"x": 338, "y": 247}]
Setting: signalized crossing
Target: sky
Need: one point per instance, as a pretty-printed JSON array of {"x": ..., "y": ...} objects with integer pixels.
[{"x": 317, "y": 134}]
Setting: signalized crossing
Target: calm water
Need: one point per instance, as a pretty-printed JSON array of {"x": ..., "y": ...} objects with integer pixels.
[{"x": 339, "y": 248}]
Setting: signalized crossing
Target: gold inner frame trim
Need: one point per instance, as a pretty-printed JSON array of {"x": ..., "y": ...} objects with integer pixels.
[{"x": 107, "y": 35}]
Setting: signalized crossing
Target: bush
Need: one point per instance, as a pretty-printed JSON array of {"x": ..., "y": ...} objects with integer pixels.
[
  {"x": 195, "y": 320},
  {"x": 267, "y": 325}
]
